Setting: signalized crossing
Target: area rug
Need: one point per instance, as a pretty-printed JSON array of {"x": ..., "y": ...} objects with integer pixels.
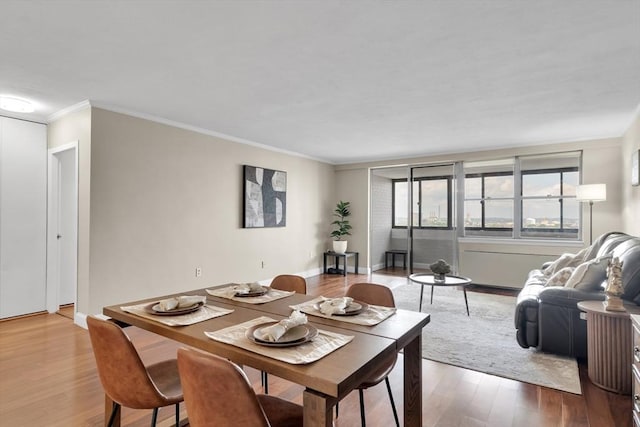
[{"x": 485, "y": 341}]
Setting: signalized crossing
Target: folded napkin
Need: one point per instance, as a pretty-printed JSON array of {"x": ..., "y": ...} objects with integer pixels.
[
  {"x": 275, "y": 332},
  {"x": 332, "y": 306},
  {"x": 247, "y": 288},
  {"x": 181, "y": 302}
]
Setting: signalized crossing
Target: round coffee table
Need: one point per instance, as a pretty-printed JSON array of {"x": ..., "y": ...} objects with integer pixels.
[{"x": 429, "y": 279}]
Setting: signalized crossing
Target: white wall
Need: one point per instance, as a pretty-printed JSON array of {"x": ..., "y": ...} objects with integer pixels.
[
  {"x": 630, "y": 194},
  {"x": 166, "y": 200}
]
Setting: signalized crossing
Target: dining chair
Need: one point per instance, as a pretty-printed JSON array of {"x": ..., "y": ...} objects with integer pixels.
[
  {"x": 289, "y": 283},
  {"x": 218, "y": 393},
  {"x": 374, "y": 294},
  {"x": 125, "y": 378}
]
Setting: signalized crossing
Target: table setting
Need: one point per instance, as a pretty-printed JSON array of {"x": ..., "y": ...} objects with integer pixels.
[
  {"x": 178, "y": 311},
  {"x": 252, "y": 293},
  {"x": 345, "y": 309},
  {"x": 292, "y": 340}
]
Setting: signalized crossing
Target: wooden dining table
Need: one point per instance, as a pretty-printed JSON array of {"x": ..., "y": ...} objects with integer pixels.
[{"x": 327, "y": 380}]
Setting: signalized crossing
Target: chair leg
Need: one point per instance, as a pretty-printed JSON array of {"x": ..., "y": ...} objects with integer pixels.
[
  {"x": 337, "y": 409},
  {"x": 362, "y": 419},
  {"x": 114, "y": 411},
  {"x": 177, "y": 414},
  {"x": 393, "y": 405},
  {"x": 154, "y": 418}
]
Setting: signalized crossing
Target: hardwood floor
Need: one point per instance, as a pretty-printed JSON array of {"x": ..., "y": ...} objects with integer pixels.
[{"x": 48, "y": 378}]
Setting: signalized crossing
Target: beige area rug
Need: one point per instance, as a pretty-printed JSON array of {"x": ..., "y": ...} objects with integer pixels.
[{"x": 485, "y": 341}]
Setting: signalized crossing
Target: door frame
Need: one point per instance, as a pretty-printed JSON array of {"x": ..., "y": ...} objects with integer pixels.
[{"x": 53, "y": 255}]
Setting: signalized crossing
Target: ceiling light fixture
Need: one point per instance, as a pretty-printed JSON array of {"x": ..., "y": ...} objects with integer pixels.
[{"x": 16, "y": 105}]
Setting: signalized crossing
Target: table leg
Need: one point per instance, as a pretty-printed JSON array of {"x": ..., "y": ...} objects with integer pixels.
[
  {"x": 324, "y": 263},
  {"x": 421, "y": 292},
  {"x": 431, "y": 295},
  {"x": 404, "y": 261},
  {"x": 108, "y": 408},
  {"x": 413, "y": 383},
  {"x": 386, "y": 260},
  {"x": 318, "y": 409},
  {"x": 357, "y": 256},
  {"x": 466, "y": 303}
]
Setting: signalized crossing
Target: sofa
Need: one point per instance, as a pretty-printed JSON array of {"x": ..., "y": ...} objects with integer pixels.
[{"x": 547, "y": 316}]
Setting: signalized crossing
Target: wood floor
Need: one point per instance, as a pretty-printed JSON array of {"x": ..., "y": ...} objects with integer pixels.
[{"x": 48, "y": 378}]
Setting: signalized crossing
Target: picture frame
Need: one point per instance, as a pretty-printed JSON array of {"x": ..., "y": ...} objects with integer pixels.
[
  {"x": 635, "y": 168},
  {"x": 264, "y": 197}
]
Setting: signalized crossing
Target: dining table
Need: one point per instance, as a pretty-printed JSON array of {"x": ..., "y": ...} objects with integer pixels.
[{"x": 327, "y": 380}]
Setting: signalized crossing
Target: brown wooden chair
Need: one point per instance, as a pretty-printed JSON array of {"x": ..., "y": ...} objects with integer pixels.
[
  {"x": 289, "y": 283},
  {"x": 125, "y": 379},
  {"x": 376, "y": 295},
  {"x": 218, "y": 393}
]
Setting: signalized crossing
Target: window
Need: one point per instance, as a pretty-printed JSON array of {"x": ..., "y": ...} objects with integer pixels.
[
  {"x": 431, "y": 204},
  {"x": 549, "y": 205}
]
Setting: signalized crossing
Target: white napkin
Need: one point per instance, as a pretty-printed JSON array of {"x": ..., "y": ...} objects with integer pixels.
[
  {"x": 275, "y": 332},
  {"x": 332, "y": 306},
  {"x": 247, "y": 288},
  {"x": 181, "y": 302}
]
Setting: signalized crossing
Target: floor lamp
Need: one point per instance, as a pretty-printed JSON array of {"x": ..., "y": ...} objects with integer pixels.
[{"x": 591, "y": 193}]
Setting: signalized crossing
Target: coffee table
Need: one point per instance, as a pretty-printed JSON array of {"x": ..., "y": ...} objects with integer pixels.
[{"x": 429, "y": 279}]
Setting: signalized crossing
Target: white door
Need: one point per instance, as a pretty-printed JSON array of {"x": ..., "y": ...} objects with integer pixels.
[
  {"x": 63, "y": 226},
  {"x": 23, "y": 217}
]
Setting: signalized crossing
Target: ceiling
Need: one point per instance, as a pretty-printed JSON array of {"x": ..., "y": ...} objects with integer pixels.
[{"x": 337, "y": 81}]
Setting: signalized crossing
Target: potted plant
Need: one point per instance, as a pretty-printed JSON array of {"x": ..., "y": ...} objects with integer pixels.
[
  {"x": 342, "y": 227},
  {"x": 440, "y": 269}
]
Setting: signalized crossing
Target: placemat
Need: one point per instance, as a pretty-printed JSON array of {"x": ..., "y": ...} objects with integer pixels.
[
  {"x": 228, "y": 293},
  {"x": 372, "y": 316},
  {"x": 206, "y": 312},
  {"x": 324, "y": 343}
]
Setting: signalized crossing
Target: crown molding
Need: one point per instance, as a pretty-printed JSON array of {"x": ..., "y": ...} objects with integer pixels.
[{"x": 68, "y": 110}]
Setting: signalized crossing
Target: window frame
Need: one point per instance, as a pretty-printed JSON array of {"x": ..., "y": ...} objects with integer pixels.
[
  {"x": 449, "y": 180},
  {"x": 482, "y": 199},
  {"x": 561, "y": 197}
]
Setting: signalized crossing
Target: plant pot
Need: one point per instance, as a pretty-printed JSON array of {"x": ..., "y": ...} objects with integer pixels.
[
  {"x": 339, "y": 246},
  {"x": 439, "y": 277}
]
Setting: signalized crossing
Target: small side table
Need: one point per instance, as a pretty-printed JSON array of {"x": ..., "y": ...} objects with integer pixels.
[
  {"x": 609, "y": 351},
  {"x": 337, "y": 257},
  {"x": 449, "y": 280},
  {"x": 393, "y": 253}
]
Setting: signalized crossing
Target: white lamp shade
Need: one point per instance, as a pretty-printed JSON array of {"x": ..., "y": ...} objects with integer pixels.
[{"x": 591, "y": 193}]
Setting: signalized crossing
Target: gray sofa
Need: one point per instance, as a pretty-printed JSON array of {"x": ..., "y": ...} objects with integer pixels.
[{"x": 547, "y": 316}]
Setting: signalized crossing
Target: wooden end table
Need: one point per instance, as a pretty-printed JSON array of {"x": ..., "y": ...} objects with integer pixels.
[
  {"x": 609, "y": 349},
  {"x": 429, "y": 279}
]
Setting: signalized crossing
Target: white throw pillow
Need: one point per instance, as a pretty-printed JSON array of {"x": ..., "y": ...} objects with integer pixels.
[
  {"x": 560, "y": 278},
  {"x": 589, "y": 275},
  {"x": 558, "y": 264}
]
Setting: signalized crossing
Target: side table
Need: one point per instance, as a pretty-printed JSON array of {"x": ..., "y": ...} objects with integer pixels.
[
  {"x": 337, "y": 257},
  {"x": 609, "y": 349},
  {"x": 393, "y": 252}
]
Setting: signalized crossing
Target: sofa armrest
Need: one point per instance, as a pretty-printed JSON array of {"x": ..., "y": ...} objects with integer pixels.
[{"x": 568, "y": 297}]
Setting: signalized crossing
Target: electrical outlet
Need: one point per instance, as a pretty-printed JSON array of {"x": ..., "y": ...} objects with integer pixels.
[{"x": 198, "y": 271}]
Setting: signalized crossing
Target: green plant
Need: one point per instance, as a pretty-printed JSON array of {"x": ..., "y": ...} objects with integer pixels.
[{"x": 342, "y": 225}]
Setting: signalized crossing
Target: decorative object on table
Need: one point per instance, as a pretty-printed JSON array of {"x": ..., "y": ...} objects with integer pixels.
[
  {"x": 614, "y": 286},
  {"x": 253, "y": 289},
  {"x": 591, "y": 193},
  {"x": 439, "y": 269},
  {"x": 343, "y": 228},
  {"x": 265, "y": 197}
]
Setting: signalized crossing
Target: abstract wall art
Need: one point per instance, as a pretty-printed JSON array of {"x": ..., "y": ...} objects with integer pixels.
[{"x": 265, "y": 197}]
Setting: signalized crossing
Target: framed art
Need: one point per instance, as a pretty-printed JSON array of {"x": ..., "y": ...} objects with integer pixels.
[
  {"x": 265, "y": 197},
  {"x": 635, "y": 168}
]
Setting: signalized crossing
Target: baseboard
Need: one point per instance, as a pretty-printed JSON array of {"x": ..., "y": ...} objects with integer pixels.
[{"x": 80, "y": 319}]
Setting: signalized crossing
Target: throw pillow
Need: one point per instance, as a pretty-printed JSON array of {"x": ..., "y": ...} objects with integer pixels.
[
  {"x": 560, "y": 278},
  {"x": 589, "y": 275},
  {"x": 558, "y": 264}
]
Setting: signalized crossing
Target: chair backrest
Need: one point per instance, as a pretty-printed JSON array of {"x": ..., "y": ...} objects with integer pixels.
[
  {"x": 123, "y": 375},
  {"x": 372, "y": 293},
  {"x": 290, "y": 282},
  {"x": 217, "y": 392}
]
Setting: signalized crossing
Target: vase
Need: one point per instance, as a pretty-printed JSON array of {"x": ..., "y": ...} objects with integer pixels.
[
  {"x": 439, "y": 277},
  {"x": 339, "y": 246}
]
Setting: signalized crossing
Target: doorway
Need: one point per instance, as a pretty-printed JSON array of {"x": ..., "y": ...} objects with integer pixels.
[{"x": 62, "y": 228}]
